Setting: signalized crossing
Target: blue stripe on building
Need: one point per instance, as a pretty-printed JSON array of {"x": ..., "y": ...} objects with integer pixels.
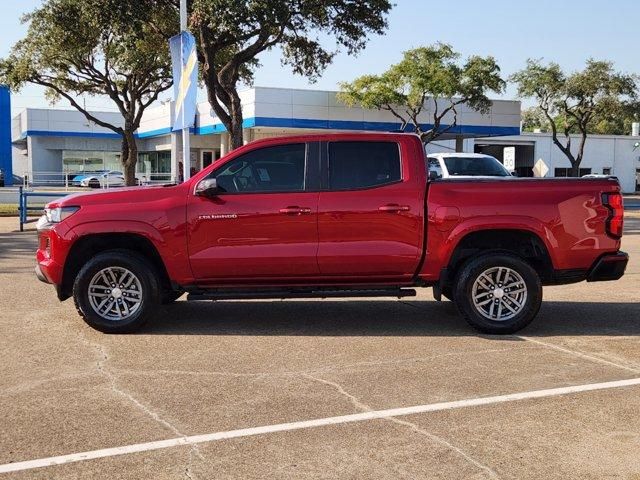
[{"x": 471, "y": 130}]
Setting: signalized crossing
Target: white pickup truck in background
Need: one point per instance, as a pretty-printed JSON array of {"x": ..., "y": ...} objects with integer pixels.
[{"x": 464, "y": 165}]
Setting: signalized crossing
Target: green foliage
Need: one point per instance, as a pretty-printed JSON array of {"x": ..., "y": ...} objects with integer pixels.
[
  {"x": 96, "y": 47},
  {"x": 616, "y": 121},
  {"x": 427, "y": 76},
  {"x": 594, "y": 100},
  {"x": 533, "y": 118},
  {"x": 231, "y": 36}
]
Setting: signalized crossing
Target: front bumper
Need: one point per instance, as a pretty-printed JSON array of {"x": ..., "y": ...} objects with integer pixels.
[
  {"x": 608, "y": 267},
  {"x": 40, "y": 276},
  {"x": 51, "y": 252}
]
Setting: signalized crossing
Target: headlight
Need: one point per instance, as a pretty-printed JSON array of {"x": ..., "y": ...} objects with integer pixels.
[{"x": 57, "y": 214}]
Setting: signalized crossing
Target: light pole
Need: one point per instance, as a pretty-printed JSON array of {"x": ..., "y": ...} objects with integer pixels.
[{"x": 186, "y": 139}]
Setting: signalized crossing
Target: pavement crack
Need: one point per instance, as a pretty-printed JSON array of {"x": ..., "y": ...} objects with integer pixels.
[
  {"x": 188, "y": 470},
  {"x": 354, "y": 401},
  {"x": 114, "y": 387},
  {"x": 441, "y": 441},
  {"x": 434, "y": 438},
  {"x": 103, "y": 358},
  {"x": 577, "y": 353}
]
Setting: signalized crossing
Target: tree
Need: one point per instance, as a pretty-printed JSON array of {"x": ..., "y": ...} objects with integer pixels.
[
  {"x": 576, "y": 103},
  {"x": 96, "y": 47},
  {"x": 612, "y": 121},
  {"x": 533, "y": 118},
  {"x": 232, "y": 34},
  {"x": 427, "y": 75}
]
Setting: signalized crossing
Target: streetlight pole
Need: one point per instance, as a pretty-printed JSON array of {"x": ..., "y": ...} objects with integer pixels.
[{"x": 186, "y": 139}]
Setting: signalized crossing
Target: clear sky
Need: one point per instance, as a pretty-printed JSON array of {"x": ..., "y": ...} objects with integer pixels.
[{"x": 565, "y": 31}]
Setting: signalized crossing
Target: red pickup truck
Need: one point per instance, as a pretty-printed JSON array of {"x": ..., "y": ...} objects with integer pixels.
[{"x": 337, "y": 215}]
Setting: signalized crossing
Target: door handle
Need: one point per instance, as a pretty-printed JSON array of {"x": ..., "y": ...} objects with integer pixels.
[
  {"x": 295, "y": 210},
  {"x": 393, "y": 208}
]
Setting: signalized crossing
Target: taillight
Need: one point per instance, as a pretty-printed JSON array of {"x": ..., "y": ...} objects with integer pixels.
[{"x": 615, "y": 221}]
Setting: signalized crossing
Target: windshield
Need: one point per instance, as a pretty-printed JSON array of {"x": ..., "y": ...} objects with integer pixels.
[{"x": 475, "y": 166}]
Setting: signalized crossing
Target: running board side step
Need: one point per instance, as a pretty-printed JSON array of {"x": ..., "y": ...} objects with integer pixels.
[{"x": 229, "y": 294}]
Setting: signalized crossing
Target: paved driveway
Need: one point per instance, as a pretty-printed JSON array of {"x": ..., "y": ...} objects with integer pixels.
[{"x": 226, "y": 370}]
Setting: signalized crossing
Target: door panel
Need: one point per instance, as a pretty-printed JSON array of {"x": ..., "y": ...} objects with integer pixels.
[
  {"x": 262, "y": 221},
  {"x": 246, "y": 236},
  {"x": 357, "y": 238},
  {"x": 371, "y": 224}
]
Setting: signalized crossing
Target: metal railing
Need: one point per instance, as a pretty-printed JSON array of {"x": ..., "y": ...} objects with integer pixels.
[
  {"x": 47, "y": 179},
  {"x": 155, "y": 178},
  {"x": 24, "y": 208},
  {"x": 65, "y": 179}
]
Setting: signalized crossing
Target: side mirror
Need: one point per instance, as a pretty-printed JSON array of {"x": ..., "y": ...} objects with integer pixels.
[
  {"x": 433, "y": 175},
  {"x": 207, "y": 188}
]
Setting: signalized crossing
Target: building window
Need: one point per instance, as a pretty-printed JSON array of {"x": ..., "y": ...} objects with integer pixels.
[
  {"x": 154, "y": 163},
  {"x": 90, "y": 161},
  {"x": 566, "y": 172}
]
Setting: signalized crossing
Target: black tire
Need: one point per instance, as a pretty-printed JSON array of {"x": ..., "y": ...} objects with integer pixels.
[
  {"x": 447, "y": 292},
  {"x": 148, "y": 298},
  {"x": 170, "y": 296},
  {"x": 464, "y": 286},
  {"x": 94, "y": 184}
]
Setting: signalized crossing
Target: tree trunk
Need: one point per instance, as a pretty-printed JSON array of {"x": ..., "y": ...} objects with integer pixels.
[
  {"x": 129, "y": 157},
  {"x": 224, "y": 101},
  {"x": 235, "y": 111},
  {"x": 575, "y": 170}
]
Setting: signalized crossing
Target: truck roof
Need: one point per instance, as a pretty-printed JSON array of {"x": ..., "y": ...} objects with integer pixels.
[{"x": 335, "y": 136}]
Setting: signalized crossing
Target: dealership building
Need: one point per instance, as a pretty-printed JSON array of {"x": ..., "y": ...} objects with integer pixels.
[{"x": 48, "y": 145}]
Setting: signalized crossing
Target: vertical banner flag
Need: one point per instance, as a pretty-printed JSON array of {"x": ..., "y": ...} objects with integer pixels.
[{"x": 185, "y": 79}]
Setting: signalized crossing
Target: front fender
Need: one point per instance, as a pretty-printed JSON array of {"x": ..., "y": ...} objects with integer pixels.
[{"x": 170, "y": 246}]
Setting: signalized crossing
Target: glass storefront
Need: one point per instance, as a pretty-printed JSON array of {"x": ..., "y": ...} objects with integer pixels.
[
  {"x": 87, "y": 161},
  {"x": 149, "y": 163}
]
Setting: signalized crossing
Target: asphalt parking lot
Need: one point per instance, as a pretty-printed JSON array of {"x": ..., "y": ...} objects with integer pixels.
[{"x": 222, "y": 370}]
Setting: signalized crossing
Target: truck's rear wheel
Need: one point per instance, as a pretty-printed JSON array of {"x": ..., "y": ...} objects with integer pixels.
[
  {"x": 498, "y": 293},
  {"x": 116, "y": 291}
]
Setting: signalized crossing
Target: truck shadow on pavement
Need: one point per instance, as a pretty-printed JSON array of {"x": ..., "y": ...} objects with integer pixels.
[
  {"x": 16, "y": 246},
  {"x": 381, "y": 318}
]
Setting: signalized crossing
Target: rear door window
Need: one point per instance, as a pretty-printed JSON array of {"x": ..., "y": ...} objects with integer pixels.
[{"x": 358, "y": 165}]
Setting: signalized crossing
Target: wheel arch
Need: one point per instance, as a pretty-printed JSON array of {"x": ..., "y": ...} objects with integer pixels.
[
  {"x": 524, "y": 243},
  {"x": 91, "y": 244}
]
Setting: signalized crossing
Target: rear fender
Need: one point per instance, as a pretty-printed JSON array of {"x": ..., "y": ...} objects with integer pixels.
[{"x": 441, "y": 245}]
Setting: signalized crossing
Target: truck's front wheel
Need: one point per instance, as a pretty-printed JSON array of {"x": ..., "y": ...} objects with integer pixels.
[
  {"x": 116, "y": 291},
  {"x": 498, "y": 293}
]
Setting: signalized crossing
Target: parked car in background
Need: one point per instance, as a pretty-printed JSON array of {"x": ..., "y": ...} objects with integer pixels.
[
  {"x": 464, "y": 165},
  {"x": 1, "y": 177},
  {"x": 101, "y": 179}
]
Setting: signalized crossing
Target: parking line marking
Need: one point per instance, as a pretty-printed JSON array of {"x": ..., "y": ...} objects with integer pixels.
[
  {"x": 575, "y": 353},
  {"x": 319, "y": 422}
]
